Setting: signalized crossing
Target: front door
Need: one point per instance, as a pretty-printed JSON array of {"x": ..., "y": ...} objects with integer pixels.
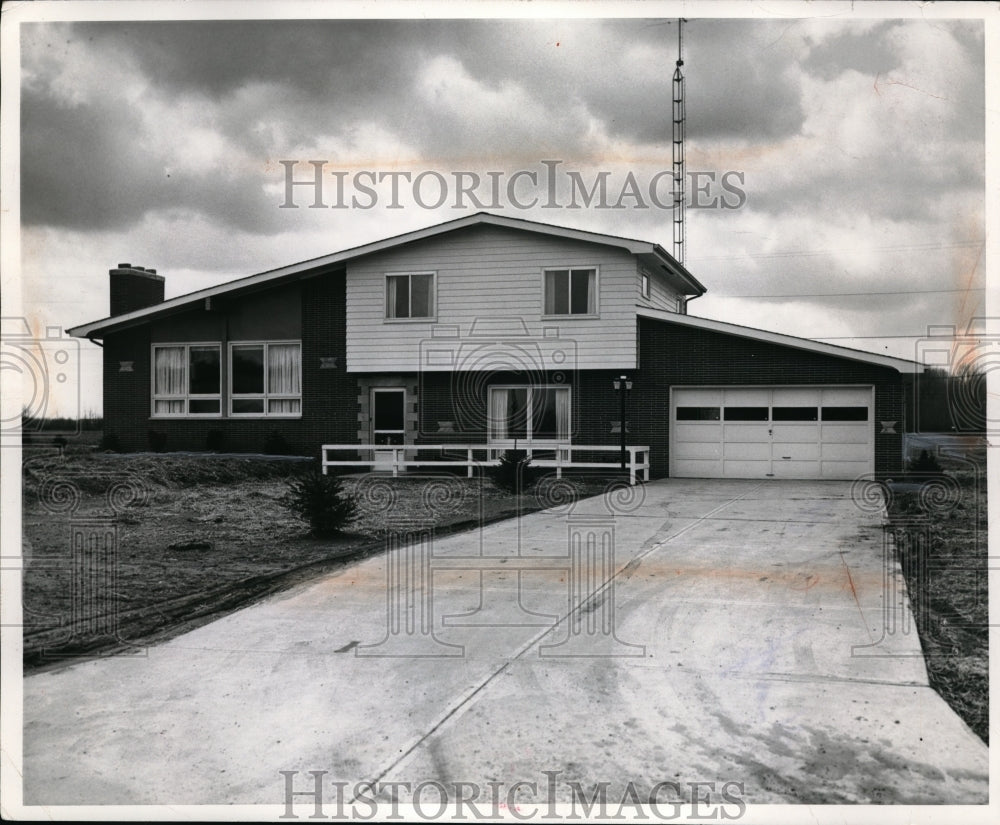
[{"x": 388, "y": 422}]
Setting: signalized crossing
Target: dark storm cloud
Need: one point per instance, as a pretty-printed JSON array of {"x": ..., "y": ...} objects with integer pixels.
[
  {"x": 84, "y": 166},
  {"x": 853, "y": 49},
  {"x": 738, "y": 83}
]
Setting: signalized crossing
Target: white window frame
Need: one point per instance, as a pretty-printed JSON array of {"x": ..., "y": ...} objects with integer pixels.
[
  {"x": 597, "y": 292},
  {"x": 409, "y": 320},
  {"x": 266, "y": 395},
  {"x": 188, "y": 396},
  {"x": 509, "y": 442},
  {"x": 645, "y": 288}
]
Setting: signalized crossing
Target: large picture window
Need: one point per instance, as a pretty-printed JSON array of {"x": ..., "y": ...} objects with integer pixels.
[
  {"x": 409, "y": 296},
  {"x": 266, "y": 378},
  {"x": 571, "y": 292},
  {"x": 187, "y": 380},
  {"x": 529, "y": 413}
]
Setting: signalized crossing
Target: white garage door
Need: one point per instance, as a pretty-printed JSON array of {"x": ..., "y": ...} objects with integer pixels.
[{"x": 772, "y": 432}]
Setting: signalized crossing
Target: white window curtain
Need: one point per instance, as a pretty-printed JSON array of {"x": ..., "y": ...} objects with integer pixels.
[
  {"x": 562, "y": 413},
  {"x": 591, "y": 292},
  {"x": 283, "y": 362},
  {"x": 391, "y": 286},
  {"x": 556, "y": 292},
  {"x": 169, "y": 380},
  {"x": 498, "y": 413}
]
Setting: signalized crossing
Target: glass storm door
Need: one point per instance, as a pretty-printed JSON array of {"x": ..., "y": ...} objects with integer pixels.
[{"x": 388, "y": 422}]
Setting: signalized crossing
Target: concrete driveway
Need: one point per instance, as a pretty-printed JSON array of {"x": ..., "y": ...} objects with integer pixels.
[{"x": 752, "y": 640}]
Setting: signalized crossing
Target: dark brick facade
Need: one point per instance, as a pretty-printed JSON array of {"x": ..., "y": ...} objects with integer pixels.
[{"x": 329, "y": 394}]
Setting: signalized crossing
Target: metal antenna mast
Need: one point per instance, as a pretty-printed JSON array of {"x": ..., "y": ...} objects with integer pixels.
[{"x": 680, "y": 169}]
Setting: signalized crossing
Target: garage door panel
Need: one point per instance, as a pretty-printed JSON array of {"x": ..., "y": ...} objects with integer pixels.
[
  {"x": 800, "y": 452},
  {"x": 744, "y": 469},
  {"x": 794, "y": 469},
  {"x": 697, "y": 432},
  {"x": 742, "y": 433},
  {"x": 772, "y": 432},
  {"x": 846, "y": 433},
  {"x": 756, "y": 451},
  {"x": 796, "y": 397},
  {"x": 795, "y": 433},
  {"x": 698, "y": 449},
  {"x": 845, "y": 452},
  {"x": 746, "y": 397}
]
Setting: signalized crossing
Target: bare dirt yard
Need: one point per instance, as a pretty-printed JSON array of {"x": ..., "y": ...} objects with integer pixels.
[
  {"x": 939, "y": 525},
  {"x": 124, "y": 550}
]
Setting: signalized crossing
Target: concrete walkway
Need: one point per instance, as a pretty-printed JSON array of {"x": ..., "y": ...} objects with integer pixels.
[{"x": 752, "y": 648}]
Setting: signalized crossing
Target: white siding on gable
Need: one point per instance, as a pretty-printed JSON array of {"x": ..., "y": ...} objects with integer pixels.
[
  {"x": 661, "y": 295},
  {"x": 490, "y": 278}
]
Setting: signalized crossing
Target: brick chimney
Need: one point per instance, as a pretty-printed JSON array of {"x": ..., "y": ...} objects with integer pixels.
[{"x": 134, "y": 287}]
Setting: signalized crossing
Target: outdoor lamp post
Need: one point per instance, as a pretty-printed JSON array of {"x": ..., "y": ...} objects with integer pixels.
[{"x": 623, "y": 386}]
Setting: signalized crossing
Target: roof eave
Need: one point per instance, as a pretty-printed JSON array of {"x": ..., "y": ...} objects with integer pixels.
[{"x": 901, "y": 365}]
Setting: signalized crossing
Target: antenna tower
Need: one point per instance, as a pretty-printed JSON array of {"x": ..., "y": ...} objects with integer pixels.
[{"x": 680, "y": 167}]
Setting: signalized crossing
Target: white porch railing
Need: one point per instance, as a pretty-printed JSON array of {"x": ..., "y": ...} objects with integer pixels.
[{"x": 396, "y": 457}]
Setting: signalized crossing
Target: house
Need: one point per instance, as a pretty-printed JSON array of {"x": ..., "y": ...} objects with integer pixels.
[{"x": 489, "y": 331}]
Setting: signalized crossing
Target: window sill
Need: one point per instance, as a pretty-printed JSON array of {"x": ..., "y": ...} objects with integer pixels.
[
  {"x": 185, "y": 416},
  {"x": 428, "y": 320},
  {"x": 571, "y": 317}
]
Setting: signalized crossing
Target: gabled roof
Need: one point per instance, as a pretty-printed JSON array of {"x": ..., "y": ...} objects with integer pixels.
[
  {"x": 900, "y": 364},
  {"x": 649, "y": 253}
]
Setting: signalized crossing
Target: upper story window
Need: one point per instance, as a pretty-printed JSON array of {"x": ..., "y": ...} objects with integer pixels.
[
  {"x": 644, "y": 284},
  {"x": 187, "y": 380},
  {"x": 266, "y": 378},
  {"x": 571, "y": 292},
  {"x": 409, "y": 296}
]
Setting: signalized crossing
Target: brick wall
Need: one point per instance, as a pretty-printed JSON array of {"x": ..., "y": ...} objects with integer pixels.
[
  {"x": 329, "y": 394},
  {"x": 133, "y": 288}
]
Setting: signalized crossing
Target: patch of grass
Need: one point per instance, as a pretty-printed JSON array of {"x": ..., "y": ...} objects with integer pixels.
[
  {"x": 207, "y": 535},
  {"x": 941, "y": 542}
]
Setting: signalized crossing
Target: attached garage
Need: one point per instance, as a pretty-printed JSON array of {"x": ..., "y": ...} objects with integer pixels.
[{"x": 772, "y": 432}]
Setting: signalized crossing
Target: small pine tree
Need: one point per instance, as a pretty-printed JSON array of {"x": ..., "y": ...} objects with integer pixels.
[
  {"x": 925, "y": 464},
  {"x": 515, "y": 473},
  {"x": 321, "y": 501}
]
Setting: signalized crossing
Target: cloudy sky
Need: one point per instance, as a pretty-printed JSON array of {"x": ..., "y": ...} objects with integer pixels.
[{"x": 857, "y": 147}]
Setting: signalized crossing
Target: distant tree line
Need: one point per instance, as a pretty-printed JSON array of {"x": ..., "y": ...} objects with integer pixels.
[{"x": 940, "y": 401}]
